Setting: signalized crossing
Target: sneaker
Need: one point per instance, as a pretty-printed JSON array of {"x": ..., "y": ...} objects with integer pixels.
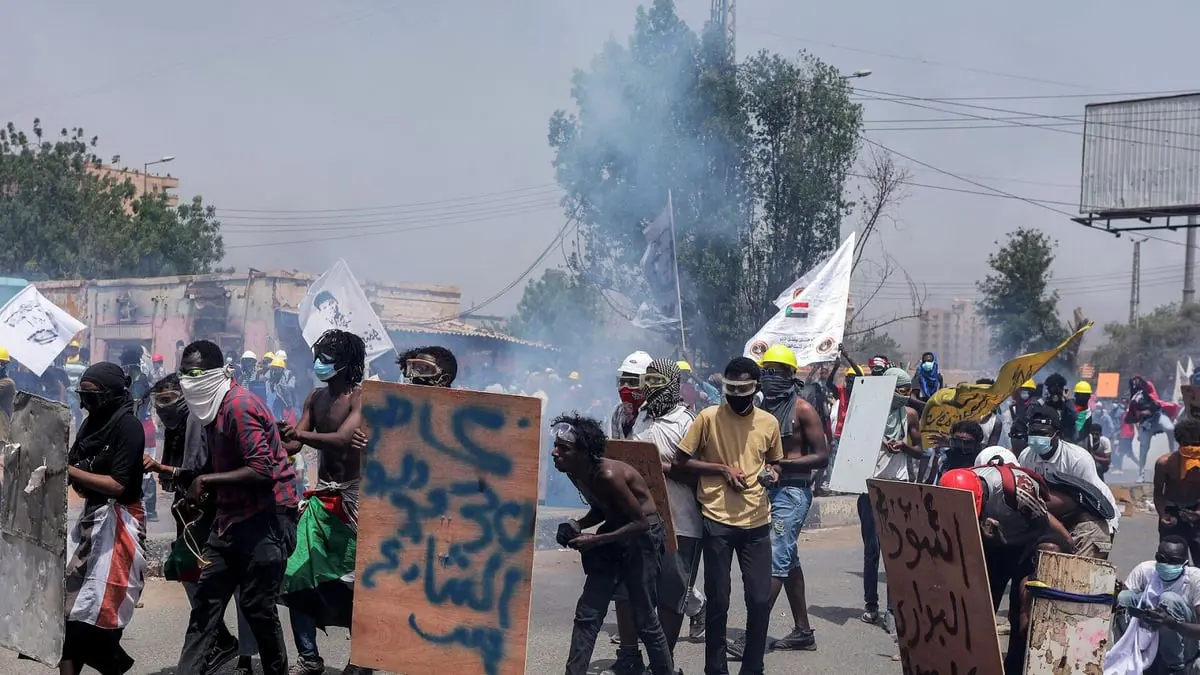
[
  {"x": 736, "y": 649},
  {"x": 1002, "y": 627},
  {"x": 221, "y": 653},
  {"x": 889, "y": 623},
  {"x": 798, "y": 639},
  {"x": 696, "y": 626},
  {"x": 629, "y": 662},
  {"x": 308, "y": 667}
]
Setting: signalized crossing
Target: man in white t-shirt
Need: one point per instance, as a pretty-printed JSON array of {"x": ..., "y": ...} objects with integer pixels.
[{"x": 1164, "y": 596}]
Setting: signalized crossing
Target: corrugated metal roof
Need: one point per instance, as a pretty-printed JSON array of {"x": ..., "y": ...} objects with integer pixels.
[{"x": 456, "y": 327}]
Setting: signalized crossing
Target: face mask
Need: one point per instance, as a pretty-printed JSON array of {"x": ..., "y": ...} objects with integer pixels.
[
  {"x": 1041, "y": 445},
  {"x": 776, "y": 385},
  {"x": 173, "y": 415},
  {"x": 323, "y": 371},
  {"x": 1168, "y": 573},
  {"x": 927, "y": 366},
  {"x": 92, "y": 401},
  {"x": 899, "y": 401},
  {"x": 630, "y": 397},
  {"x": 740, "y": 404},
  {"x": 1024, "y": 394},
  {"x": 1082, "y": 400},
  {"x": 3, "y": 370},
  {"x": 205, "y": 392}
]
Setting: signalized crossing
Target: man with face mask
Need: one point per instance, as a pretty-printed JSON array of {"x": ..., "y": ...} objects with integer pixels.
[
  {"x": 898, "y": 457},
  {"x": 254, "y": 526},
  {"x": 1161, "y": 599},
  {"x": 878, "y": 364},
  {"x": 629, "y": 390},
  {"x": 735, "y": 448},
  {"x": 1024, "y": 397},
  {"x": 315, "y": 587},
  {"x": 1047, "y": 453},
  {"x": 429, "y": 366},
  {"x": 928, "y": 377},
  {"x": 1055, "y": 396},
  {"x": 964, "y": 445}
]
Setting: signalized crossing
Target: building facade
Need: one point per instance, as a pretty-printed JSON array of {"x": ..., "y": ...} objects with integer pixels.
[
  {"x": 958, "y": 335},
  {"x": 143, "y": 183}
]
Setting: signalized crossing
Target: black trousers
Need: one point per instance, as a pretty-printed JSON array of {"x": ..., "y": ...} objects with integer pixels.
[
  {"x": 252, "y": 555},
  {"x": 634, "y": 564},
  {"x": 753, "y": 550}
]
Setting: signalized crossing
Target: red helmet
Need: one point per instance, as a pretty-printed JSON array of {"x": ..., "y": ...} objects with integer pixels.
[
  {"x": 158, "y": 358},
  {"x": 965, "y": 479}
]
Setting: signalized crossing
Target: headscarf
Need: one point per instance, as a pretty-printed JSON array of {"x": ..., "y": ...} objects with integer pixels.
[
  {"x": 660, "y": 401},
  {"x": 779, "y": 399},
  {"x": 896, "y": 427},
  {"x": 928, "y": 379},
  {"x": 96, "y": 431}
]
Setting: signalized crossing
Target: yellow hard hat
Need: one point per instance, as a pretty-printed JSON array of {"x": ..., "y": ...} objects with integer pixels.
[
  {"x": 74, "y": 343},
  {"x": 1083, "y": 387},
  {"x": 278, "y": 363},
  {"x": 269, "y": 356},
  {"x": 780, "y": 354},
  {"x": 850, "y": 372},
  {"x": 4, "y": 354},
  {"x": 1029, "y": 384},
  {"x": 684, "y": 365},
  {"x": 574, "y": 375}
]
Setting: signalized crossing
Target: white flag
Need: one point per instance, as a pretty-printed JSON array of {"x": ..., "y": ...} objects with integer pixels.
[
  {"x": 812, "y": 318},
  {"x": 335, "y": 300},
  {"x": 34, "y": 330}
]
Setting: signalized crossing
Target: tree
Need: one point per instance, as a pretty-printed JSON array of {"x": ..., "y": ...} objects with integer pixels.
[
  {"x": 558, "y": 310},
  {"x": 754, "y": 158},
  {"x": 62, "y": 219},
  {"x": 1017, "y": 303},
  {"x": 870, "y": 343},
  {"x": 1152, "y": 346}
]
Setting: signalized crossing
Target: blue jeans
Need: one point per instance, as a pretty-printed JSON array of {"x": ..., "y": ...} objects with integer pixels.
[
  {"x": 1173, "y": 648},
  {"x": 789, "y": 510},
  {"x": 304, "y": 633}
]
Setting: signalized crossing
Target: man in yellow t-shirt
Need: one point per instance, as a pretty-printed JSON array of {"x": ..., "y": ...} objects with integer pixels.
[{"x": 735, "y": 449}]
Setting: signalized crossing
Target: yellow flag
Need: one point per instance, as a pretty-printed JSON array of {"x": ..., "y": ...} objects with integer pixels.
[{"x": 974, "y": 401}]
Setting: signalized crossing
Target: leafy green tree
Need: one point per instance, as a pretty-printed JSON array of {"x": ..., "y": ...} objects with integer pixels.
[
  {"x": 1151, "y": 346},
  {"x": 62, "y": 219},
  {"x": 1017, "y": 303},
  {"x": 558, "y": 310},
  {"x": 754, "y": 159}
]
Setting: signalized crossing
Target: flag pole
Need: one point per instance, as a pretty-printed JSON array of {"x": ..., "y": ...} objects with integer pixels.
[{"x": 675, "y": 259}]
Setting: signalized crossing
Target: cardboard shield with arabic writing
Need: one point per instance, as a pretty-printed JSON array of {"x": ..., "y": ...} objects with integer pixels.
[
  {"x": 445, "y": 531},
  {"x": 644, "y": 457},
  {"x": 937, "y": 578},
  {"x": 33, "y": 529}
]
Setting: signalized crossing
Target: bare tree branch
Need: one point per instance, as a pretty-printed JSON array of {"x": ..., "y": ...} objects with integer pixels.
[{"x": 885, "y": 189}]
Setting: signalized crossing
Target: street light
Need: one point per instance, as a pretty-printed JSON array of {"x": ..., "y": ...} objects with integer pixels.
[
  {"x": 863, "y": 72},
  {"x": 163, "y": 160}
]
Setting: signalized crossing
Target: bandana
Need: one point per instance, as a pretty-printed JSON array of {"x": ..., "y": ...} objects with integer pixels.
[
  {"x": 660, "y": 401},
  {"x": 779, "y": 399},
  {"x": 205, "y": 393},
  {"x": 1189, "y": 459}
]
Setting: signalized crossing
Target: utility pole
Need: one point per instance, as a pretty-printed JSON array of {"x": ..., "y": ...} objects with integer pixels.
[
  {"x": 725, "y": 17},
  {"x": 1189, "y": 261},
  {"x": 1135, "y": 287}
]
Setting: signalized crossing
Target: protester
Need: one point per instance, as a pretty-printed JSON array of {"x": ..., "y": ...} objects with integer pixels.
[
  {"x": 697, "y": 394},
  {"x": 429, "y": 366},
  {"x": 804, "y": 451},
  {"x": 318, "y": 585},
  {"x": 928, "y": 378},
  {"x": 157, "y": 368},
  {"x": 248, "y": 368},
  {"x": 1155, "y": 627},
  {"x": 629, "y": 390},
  {"x": 1083, "y": 409},
  {"x": 663, "y": 420},
  {"x": 1099, "y": 447},
  {"x": 139, "y": 389},
  {"x": 733, "y": 448},
  {"x": 1013, "y": 517},
  {"x": 996, "y": 455},
  {"x": 965, "y": 442},
  {"x": 993, "y": 423},
  {"x": 842, "y": 395},
  {"x": 254, "y": 529},
  {"x": 898, "y": 453},
  {"x": 1146, "y": 414},
  {"x": 105, "y": 564},
  {"x": 878, "y": 364},
  {"x": 626, "y": 549},
  {"x": 1177, "y": 488},
  {"x": 1072, "y": 468},
  {"x": 1024, "y": 397},
  {"x": 184, "y": 456},
  {"x": 279, "y": 396}
]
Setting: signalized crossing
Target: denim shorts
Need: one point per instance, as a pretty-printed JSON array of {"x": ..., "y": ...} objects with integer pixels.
[{"x": 789, "y": 510}]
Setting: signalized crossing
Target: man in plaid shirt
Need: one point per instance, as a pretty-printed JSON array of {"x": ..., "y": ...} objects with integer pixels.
[{"x": 255, "y": 527}]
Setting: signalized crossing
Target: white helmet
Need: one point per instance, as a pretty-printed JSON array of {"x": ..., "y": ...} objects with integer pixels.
[
  {"x": 281, "y": 355},
  {"x": 249, "y": 355},
  {"x": 635, "y": 364},
  {"x": 996, "y": 455}
]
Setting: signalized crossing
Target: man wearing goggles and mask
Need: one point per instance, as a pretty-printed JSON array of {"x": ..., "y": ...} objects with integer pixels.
[
  {"x": 962, "y": 447},
  {"x": 429, "y": 366},
  {"x": 626, "y": 550},
  {"x": 1048, "y": 454},
  {"x": 629, "y": 390},
  {"x": 733, "y": 448}
]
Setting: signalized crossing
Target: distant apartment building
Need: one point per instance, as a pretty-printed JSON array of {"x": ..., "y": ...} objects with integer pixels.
[
  {"x": 957, "y": 335},
  {"x": 143, "y": 183}
]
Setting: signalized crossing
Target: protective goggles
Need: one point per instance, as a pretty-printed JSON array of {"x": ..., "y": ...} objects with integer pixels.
[
  {"x": 904, "y": 391},
  {"x": 563, "y": 433},
  {"x": 739, "y": 387},
  {"x": 162, "y": 399},
  {"x": 421, "y": 368},
  {"x": 629, "y": 381},
  {"x": 654, "y": 381}
]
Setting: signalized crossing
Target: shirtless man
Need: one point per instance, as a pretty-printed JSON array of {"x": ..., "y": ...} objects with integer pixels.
[
  {"x": 316, "y": 591},
  {"x": 626, "y": 548},
  {"x": 1177, "y": 488}
]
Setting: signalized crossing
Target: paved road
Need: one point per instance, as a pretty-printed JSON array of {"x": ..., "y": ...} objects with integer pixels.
[{"x": 832, "y": 562}]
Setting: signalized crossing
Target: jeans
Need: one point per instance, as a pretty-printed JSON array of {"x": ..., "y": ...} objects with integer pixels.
[
  {"x": 789, "y": 510},
  {"x": 150, "y": 496},
  {"x": 304, "y": 633},
  {"x": 1148, "y": 430},
  {"x": 870, "y": 539},
  {"x": 753, "y": 549},
  {"x": 1174, "y": 650},
  {"x": 251, "y": 555},
  {"x": 245, "y": 637},
  {"x": 689, "y": 556},
  {"x": 633, "y": 563}
]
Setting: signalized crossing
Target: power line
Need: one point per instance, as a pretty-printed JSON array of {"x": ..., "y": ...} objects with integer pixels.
[
  {"x": 1051, "y": 97},
  {"x": 392, "y": 221},
  {"x": 483, "y": 196}
]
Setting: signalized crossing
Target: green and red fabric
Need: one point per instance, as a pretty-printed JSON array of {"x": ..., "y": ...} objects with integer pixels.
[{"x": 320, "y": 573}]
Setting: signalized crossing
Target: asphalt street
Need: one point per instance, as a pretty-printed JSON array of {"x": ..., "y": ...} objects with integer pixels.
[{"x": 832, "y": 562}]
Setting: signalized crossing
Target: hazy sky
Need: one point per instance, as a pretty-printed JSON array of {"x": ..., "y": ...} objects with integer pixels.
[{"x": 435, "y": 113}]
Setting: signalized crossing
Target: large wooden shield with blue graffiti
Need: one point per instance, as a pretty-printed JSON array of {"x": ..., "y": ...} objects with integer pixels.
[{"x": 446, "y": 530}]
